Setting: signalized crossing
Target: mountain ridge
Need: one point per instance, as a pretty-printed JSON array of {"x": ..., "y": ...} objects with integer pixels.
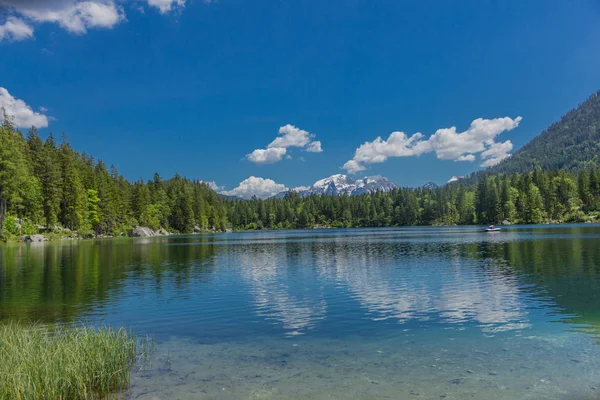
[{"x": 340, "y": 184}]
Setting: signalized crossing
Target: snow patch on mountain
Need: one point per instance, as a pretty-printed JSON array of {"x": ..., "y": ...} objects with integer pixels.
[
  {"x": 454, "y": 179},
  {"x": 339, "y": 184}
]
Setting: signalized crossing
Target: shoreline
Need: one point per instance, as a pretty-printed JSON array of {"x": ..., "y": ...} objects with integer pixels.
[{"x": 73, "y": 236}]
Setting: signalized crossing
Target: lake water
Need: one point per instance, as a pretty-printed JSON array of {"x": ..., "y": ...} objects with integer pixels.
[{"x": 415, "y": 313}]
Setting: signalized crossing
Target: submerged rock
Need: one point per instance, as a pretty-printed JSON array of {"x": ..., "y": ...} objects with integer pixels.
[{"x": 143, "y": 231}]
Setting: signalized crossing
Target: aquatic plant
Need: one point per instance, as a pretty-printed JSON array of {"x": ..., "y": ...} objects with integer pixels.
[{"x": 54, "y": 362}]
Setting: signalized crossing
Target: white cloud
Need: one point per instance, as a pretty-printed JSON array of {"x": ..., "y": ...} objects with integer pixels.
[
  {"x": 289, "y": 136},
  {"x": 449, "y": 145},
  {"x": 314, "y": 147},
  {"x": 267, "y": 156},
  {"x": 213, "y": 185},
  {"x": 466, "y": 157},
  {"x": 496, "y": 153},
  {"x": 455, "y": 178},
  {"x": 259, "y": 187},
  {"x": 74, "y": 16},
  {"x": 15, "y": 29},
  {"x": 22, "y": 114},
  {"x": 165, "y": 6},
  {"x": 300, "y": 188},
  {"x": 446, "y": 143},
  {"x": 353, "y": 167}
]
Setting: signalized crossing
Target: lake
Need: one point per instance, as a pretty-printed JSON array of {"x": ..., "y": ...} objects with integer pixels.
[{"x": 406, "y": 313}]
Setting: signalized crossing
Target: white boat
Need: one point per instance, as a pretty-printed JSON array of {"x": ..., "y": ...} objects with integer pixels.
[{"x": 492, "y": 229}]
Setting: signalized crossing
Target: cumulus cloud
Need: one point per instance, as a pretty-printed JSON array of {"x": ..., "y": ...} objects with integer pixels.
[
  {"x": 74, "y": 16},
  {"x": 259, "y": 187},
  {"x": 447, "y": 143},
  {"x": 314, "y": 147},
  {"x": 289, "y": 136},
  {"x": 353, "y": 167},
  {"x": 165, "y": 6},
  {"x": 465, "y": 157},
  {"x": 496, "y": 153},
  {"x": 22, "y": 115},
  {"x": 213, "y": 185},
  {"x": 267, "y": 156},
  {"x": 15, "y": 29}
]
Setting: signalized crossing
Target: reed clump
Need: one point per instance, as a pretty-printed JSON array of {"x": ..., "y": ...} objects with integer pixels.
[{"x": 42, "y": 362}]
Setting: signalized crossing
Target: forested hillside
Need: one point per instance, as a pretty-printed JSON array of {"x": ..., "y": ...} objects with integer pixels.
[
  {"x": 573, "y": 143},
  {"x": 50, "y": 185}
]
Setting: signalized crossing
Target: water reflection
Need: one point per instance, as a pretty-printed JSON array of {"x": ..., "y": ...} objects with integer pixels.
[
  {"x": 64, "y": 281},
  {"x": 265, "y": 268},
  {"x": 403, "y": 282},
  {"x": 307, "y": 282}
]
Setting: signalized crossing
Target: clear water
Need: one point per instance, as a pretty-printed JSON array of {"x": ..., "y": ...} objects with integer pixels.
[{"x": 415, "y": 313}]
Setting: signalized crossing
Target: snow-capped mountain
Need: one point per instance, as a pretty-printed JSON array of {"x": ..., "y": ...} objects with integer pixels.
[{"x": 340, "y": 184}]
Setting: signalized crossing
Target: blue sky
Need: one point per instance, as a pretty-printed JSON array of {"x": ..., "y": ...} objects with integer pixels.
[{"x": 194, "y": 87}]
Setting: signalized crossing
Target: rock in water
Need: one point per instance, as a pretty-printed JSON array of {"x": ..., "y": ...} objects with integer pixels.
[
  {"x": 143, "y": 231},
  {"x": 34, "y": 238},
  {"x": 162, "y": 232}
]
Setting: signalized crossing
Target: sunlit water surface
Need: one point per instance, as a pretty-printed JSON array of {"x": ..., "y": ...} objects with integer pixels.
[{"x": 415, "y": 313}]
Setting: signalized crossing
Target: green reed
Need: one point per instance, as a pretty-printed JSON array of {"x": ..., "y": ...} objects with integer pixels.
[{"x": 53, "y": 362}]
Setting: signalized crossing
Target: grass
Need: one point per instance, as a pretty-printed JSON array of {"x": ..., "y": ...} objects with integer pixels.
[{"x": 41, "y": 362}]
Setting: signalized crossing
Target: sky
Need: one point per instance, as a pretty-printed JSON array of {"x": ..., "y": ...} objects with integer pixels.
[{"x": 260, "y": 96}]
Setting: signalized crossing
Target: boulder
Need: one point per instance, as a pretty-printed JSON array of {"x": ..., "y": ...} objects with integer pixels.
[
  {"x": 197, "y": 229},
  {"x": 506, "y": 222},
  {"x": 34, "y": 238},
  {"x": 162, "y": 232},
  {"x": 143, "y": 231}
]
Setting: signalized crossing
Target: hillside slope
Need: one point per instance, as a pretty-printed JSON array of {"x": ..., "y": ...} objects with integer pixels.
[{"x": 571, "y": 143}]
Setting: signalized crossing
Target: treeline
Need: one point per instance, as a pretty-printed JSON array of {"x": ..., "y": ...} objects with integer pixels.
[
  {"x": 48, "y": 185},
  {"x": 537, "y": 197}
]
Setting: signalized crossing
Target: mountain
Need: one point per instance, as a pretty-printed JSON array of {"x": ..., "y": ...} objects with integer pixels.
[
  {"x": 229, "y": 197},
  {"x": 340, "y": 184},
  {"x": 430, "y": 185},
  {"x": 572, "y": 143}
]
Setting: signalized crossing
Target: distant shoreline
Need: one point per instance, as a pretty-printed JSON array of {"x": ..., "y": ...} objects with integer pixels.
[{"x": 56, "y": 239}]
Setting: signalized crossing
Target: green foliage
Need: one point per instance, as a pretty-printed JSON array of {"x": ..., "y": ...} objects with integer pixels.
[
  {"x": 10, "y": 225},
  {"x": 93, "y": 209}
]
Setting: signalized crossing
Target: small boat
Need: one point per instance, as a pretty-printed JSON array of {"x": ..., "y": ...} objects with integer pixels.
[{"x": 492, "y": 228}]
